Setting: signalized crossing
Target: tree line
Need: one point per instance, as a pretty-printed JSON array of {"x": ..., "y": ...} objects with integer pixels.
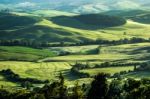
[
  {"x": 75, "y": 70},
  {"x": 39, "y": 44},
  {"x": 81, "y": 66}
]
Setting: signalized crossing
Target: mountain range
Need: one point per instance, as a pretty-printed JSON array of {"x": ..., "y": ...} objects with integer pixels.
[{"x": 75, "y": 6}]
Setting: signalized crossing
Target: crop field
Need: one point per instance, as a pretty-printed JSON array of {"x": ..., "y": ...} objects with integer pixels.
[
  {"x": 138, "y": 52},
  {"x": 110, "y": 70},
  {"x": 36, "y": 70},
  {"x": 50, "y": 71}
]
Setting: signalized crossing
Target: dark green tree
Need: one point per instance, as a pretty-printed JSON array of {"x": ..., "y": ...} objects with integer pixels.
[{"x": 99, "y": 87}]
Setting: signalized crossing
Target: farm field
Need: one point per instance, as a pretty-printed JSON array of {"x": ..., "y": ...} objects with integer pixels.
[
  {"x": 138, "y": 52},
  {"x": 23, "y": 53},
  {"x": 49, "y": 70},
  {"x": 110, "y": 70}
]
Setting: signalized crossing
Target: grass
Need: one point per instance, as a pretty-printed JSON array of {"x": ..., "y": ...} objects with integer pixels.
[
  {"x": 110, "y": 70},
  {"x": 40, "y": 71},
  {"x": 125, "y": 53},
  {"x": 75, "y": 50},
  {"x": 138, "y": 75},
  {"x": 24, "y": 53}
]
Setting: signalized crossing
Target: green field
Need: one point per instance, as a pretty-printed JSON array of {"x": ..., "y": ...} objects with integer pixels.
[
  {"x": 110, "y": 70},
  {"x": 78, "y": 50},
  {"x": 40, "y": 71},
  {"x": 24, "y": 53},
  {"x": 125, "y": 53}
]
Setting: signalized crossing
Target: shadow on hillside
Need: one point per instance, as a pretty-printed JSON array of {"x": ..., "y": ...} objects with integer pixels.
[
  {"x": 140, "y": 50},
  {"x": 69, "y": 76},
  {"x": 88, "y": 22},
  {"x": 11, "y": 21}
]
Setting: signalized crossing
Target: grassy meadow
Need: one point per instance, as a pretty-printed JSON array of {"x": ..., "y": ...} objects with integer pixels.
[{"x": 24, "y": 53}]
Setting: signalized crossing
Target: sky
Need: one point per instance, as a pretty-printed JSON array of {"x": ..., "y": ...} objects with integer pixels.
[{"x": 76, "y": 6}]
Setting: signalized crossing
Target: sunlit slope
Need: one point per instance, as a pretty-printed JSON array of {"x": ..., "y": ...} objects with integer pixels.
[
  {"x": 141, "y": 16},
  {"x": 125, "y": 53},
  {"x": 24, "y": 53},
  {"x": 44, "y": 29}
]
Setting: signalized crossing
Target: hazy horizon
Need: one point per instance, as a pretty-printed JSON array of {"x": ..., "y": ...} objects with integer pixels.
[{"x": 78, "y": 6}]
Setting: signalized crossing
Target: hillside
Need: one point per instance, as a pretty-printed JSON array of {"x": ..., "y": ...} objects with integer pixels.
[
  {"x": 23, "y": 26},
  {"x": 89, "y": 21},
  {"x": 17, "y": 53},
  {"x": 12, "y": 21},
  {"x": 141, "y": 16}
]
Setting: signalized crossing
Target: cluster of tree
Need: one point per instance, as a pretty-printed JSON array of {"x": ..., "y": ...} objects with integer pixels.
[
  {"x": 100, "y": 88},
  {"x": 108, "y": 64},
  {"x": 39, "y": 44},
  {"x": 80, "y": 66},
  {"x": 11, "y": 76},
  {"x": 120, "y": 74},
  {"x": 75, "y": 70},
  {"x": 55, "y": 90},
  {"x": 28, "y": 43},
  {"x": 118, "y": 89},
  {"x": 115, "y": 42}
]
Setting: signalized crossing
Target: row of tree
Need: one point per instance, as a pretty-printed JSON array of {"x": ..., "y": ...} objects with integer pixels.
[
  {"x": 80, "y": 66},
  {"x": 39, "y": 44}
]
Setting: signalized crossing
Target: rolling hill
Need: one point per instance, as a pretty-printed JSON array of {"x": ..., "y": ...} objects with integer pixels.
[
  {"x": 141, "y": 16},
  {"x": 52, "y": 29},
  {"x": 72, "y": 28},
  {"x": 12, "y": 21},
  {"x": 89, "y": 21}
]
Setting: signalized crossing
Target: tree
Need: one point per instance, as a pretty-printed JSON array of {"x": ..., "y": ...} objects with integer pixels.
[
  {"x": 115, "y": 89},
  {"x": 62, "y": 88},
  {"x": 131, "y": 84},
  {"x": 99, "y": 87},
  {"x": 77, "y": 92}
]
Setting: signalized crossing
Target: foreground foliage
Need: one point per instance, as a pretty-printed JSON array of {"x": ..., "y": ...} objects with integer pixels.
[{"x": 100, "y": 88}]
